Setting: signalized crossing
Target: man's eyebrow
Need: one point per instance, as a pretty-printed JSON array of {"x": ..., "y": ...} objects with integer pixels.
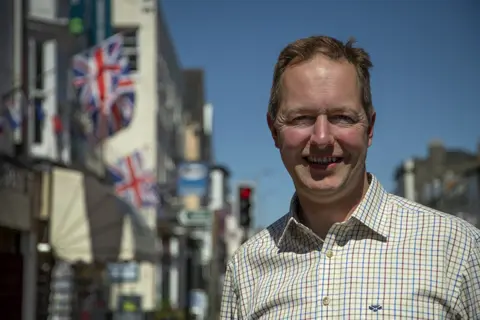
[
  {"x": 343, "y": 109},
  {"x": 309, "y": 110},
  {"x": 300, "y": 109}
]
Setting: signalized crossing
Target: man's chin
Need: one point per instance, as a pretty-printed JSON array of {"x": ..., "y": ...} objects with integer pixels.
[
  {"x": 325, "y": 190},
  {"x": 327, "y": 185}
]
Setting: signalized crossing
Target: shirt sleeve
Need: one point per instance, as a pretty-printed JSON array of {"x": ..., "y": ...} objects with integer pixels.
[
  {"x": 470, "y": 295},
  {"x": 229, "y": 305}
]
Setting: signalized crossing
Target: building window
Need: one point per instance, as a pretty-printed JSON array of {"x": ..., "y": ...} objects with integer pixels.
[
  {"x": 39, "y": 83},
  {"x": 130, "y": 46},
  {"x": 38, "y": 94}
]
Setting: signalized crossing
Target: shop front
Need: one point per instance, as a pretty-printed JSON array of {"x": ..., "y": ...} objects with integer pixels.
[
  {"x": 90, "y": 230},
  {"x": 15, "y": 224}
]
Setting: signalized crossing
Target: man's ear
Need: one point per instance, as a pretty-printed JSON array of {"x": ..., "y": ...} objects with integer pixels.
[
  {"x": 273, "y": 130},
  {"x": 371, "y": 126}
]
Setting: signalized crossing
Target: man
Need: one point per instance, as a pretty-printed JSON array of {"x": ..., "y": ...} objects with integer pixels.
[{"x": 346, "y": 249}]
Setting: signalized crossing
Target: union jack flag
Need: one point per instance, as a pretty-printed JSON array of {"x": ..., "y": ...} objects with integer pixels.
[
  {"x": 107, "y": 122},
  {"x": 105, "y": 87},
  {"x": 133, "y": 182},
  {"x": 13, "y": 106}
]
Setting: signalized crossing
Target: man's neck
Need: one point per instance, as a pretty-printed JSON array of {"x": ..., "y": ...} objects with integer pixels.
[{"x": 320, "y": 216}]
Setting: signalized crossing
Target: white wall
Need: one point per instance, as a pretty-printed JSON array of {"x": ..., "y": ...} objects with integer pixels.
[{"x": 141, "y": 133}]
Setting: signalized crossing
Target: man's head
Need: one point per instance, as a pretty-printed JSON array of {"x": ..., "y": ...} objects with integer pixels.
[{"x": 321, "y": 115}]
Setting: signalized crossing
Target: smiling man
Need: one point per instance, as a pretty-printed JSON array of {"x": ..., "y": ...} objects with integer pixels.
[{"x": 346, "y": 249}]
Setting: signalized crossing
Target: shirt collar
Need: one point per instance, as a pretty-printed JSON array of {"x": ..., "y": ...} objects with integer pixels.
[
  {"x": 291, "y": 218},
  {"x": 371, "y": 211}
]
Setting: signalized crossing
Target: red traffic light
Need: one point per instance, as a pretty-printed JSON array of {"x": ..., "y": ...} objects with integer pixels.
[{"x": 245, "y": 193}]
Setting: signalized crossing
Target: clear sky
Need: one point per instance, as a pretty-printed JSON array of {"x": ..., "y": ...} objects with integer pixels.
[{"x": 425, "y": 81}]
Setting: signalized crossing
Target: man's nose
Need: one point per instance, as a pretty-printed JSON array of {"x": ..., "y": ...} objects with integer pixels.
[{"x": 321, "y": 135}]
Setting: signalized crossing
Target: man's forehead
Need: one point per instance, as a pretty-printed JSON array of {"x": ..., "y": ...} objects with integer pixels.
[
  {"x": 319, "y": 63},
  {"x": 319, "y": 71},
  {"x": 322, "y": 82}
]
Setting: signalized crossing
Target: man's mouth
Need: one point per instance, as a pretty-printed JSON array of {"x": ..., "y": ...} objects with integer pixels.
[{"x": 323, "y": 160}]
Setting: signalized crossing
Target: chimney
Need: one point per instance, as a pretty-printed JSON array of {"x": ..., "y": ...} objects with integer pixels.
[{"x": 437, "y": 157}]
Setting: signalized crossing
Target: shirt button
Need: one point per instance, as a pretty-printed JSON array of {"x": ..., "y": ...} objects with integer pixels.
[
  {"x": 329, "y": 254},
  {"x": 326, "y": 301}
]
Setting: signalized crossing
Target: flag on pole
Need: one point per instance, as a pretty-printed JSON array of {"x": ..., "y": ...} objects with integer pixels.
[
  {"x": 105, "y": 87},
  {"x": 133, "y": 182},
  {"x": 14, "y": 105}
]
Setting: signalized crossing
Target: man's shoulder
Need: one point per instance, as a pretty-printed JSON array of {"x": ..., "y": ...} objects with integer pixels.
[
  {"x": 263, "y": 241},
  {"x": 423, "y": 217}
]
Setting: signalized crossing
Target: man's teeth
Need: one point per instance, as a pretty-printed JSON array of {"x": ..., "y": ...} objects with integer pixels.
[{"x": 323, "y": 160}]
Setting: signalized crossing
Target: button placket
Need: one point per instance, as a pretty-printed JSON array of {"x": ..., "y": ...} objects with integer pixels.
[{"x": 330, "y": 253}]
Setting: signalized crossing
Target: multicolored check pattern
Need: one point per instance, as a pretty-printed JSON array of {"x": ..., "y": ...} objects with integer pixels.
[{"x": 393, "y": 259}]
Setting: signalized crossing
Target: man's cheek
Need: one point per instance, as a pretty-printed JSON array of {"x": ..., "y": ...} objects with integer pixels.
[
  {"x": 293, "y": 140},
  {"x": 352, "y": 140},
  {"x": 290, "y": 147}
]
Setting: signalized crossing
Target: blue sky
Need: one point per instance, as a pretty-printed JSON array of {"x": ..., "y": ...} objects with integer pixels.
[{"x": 425, "y": 81}]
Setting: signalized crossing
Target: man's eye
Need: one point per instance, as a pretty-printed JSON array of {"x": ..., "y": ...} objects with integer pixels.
[
  {"x": 342, "y": 119},
  {"x": 301, "y": 119}
]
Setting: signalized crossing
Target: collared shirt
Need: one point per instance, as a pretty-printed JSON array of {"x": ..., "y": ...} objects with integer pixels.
[{"x": 392, "y": 259}]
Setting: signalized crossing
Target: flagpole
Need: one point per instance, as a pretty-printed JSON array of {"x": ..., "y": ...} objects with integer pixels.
[
  {"x": 100, "y": 30},
  {"x": 22, "y": 82},
  {"x": 22, "y": 151}
]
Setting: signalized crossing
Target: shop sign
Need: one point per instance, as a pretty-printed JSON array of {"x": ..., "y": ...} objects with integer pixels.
[{"x": 13, "y": 177}]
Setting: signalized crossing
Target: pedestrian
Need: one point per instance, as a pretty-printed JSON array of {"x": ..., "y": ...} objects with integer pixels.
[{"x": 346, "y": 249}]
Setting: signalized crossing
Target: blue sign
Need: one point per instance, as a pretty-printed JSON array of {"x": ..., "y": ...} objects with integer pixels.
[
  {"x": 193, "y": 179},
  {"x": 198, "y": 299},
  {"x": 123, "y": 272}
]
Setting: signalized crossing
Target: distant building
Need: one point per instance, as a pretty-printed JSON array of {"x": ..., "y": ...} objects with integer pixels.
[
  {"x": 156, "y": 129},
  {"x": 446, "y": 179},
  {"x": 199, "y": 113}
]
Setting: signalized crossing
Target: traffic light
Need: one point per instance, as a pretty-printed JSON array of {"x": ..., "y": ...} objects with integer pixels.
[{"x": 245, "y": 197}]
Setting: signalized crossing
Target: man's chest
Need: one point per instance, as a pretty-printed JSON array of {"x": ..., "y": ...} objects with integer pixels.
[{"x": 338, "y": 283}]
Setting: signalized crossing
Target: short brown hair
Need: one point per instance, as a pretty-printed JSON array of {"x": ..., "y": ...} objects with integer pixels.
[{"x": 304, "y": 49}]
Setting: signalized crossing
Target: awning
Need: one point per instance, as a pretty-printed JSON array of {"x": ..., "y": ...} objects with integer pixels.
[
  {"x": 89, "y": 223},
  {"x": 112, "y": 217}
]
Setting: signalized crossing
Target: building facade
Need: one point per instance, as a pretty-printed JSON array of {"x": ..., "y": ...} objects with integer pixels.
[
  {"x": 50, "y": 53},
  {"x": 33, "y": 33},
  {"x": 138, "y": 21},
  {"x": 446, "y": 180},
  {"x": 171, "y": 126},
  {"x": 183, "y": 266},
  {"x": 83, "y": 228}
]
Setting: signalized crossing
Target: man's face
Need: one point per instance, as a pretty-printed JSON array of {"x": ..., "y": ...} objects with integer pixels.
[{"x": 321, "y": 129}]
